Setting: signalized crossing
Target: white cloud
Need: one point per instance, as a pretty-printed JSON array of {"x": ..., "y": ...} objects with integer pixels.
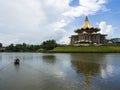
[
  {"x": 106, "y": 29},
  {"x": 65, "y": 40},
  {"x": 86, "y": 7},
  {"x": 33, "y": 21},
  {"x": 106, "y": 70}
]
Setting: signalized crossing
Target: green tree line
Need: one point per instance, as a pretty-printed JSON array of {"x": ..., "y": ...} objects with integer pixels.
[{"x": 45, "y": 46}]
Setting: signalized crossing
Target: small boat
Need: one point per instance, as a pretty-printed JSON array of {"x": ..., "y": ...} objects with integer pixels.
[{"x": 17, "y": 61}]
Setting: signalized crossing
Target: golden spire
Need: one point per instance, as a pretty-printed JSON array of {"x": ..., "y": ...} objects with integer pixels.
[{"x": 86, "y": 24}]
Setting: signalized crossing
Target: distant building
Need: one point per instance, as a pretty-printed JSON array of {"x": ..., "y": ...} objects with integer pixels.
[
  {"x": 88, "y": 35},
  {"x": 115, "y": 41}
]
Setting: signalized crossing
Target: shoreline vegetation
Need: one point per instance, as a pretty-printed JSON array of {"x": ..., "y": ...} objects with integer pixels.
[
  {"x": 86, "y": 49},
  {"x": 50, "y": 46}
]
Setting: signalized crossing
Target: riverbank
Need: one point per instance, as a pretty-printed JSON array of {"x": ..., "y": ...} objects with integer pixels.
[{"x": 86, "y": 49}]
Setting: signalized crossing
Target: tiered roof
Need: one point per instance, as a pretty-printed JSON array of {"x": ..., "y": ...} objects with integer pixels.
[
  {"x": 87, "y": 28},
  {"x": 87, "y": 24}
]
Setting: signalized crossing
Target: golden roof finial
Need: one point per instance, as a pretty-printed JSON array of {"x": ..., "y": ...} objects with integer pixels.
[
  {"x": 86, "y": 24},
  {"x": 86, "y": 19}
]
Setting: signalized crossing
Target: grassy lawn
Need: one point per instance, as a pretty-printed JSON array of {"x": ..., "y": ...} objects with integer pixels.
[{"x": 87, "y": 49}]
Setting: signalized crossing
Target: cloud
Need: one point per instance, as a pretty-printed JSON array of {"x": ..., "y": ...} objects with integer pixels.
[
  {"x": 106, "y": 29},
  {"x": 33, "y": 21},
  {"x": 86, "y": 7}
]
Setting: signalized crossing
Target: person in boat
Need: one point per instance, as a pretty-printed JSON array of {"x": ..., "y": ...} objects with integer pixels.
[{"x": 17, "y": 61}]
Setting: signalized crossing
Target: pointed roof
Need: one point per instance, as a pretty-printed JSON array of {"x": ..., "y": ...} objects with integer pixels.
[{"x": 86, "y": 24}]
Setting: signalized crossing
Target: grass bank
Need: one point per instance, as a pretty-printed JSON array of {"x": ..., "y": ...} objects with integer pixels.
[{"x": 87, "y": 49}]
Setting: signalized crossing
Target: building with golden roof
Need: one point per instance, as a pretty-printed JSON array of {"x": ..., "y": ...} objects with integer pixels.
[{"x": 88, "y": 35}]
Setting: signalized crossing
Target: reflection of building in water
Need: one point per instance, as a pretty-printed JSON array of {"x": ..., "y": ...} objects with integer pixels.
[
  {"x": 87, "y": 64},
  {"x": 86, "y": 68},
  {"x": 88, "y": 35},
  {"x": 91, "y": 65},
  {"x": 49, "y": 58}
]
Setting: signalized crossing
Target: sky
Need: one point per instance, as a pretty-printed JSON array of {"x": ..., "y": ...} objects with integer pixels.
[{"x": 35, "y": 21}]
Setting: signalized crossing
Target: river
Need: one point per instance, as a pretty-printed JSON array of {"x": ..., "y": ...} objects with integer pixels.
[{"x": 60, "y": 71}]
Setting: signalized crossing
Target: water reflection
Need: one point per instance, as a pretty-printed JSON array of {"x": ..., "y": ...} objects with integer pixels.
[
  {"x": 50, "y": 59},
  {"x": 41, "y": 71},
  {"x": 88, "y": 57},
  {"x": 97, "y": 70},
  {"x": 17, "y": 67},
  {"x": 0, "y": 57},
  {"x": 87, "y": 69},
  {"x": 87, "y": 65}
]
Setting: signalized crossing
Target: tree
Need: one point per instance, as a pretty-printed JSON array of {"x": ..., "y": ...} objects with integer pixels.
[
  {"x": 1, "y": 45},
  {"x": 10, "y": 48},
  {"x": 22, "y": 48},
  {"x": 49, "y": 44}
]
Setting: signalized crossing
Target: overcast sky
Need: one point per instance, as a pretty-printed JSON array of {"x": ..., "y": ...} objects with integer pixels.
[{"x": 34, "y": 21}]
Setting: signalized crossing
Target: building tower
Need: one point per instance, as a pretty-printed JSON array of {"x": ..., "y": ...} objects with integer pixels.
[{"x": 87, "y": 35}]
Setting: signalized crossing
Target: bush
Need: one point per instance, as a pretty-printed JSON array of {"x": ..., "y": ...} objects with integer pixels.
[{"x": 49, "y": 44}]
